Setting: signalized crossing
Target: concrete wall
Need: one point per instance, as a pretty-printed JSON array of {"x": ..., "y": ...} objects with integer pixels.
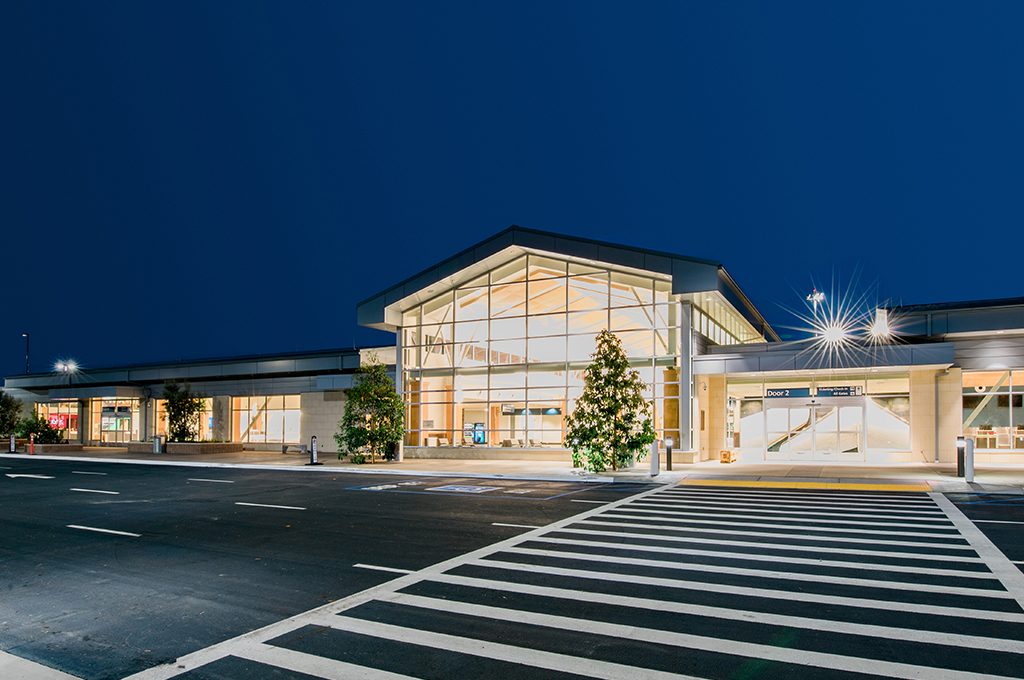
[
  {"x": 711, "y": 401},
  {"x": 923, "y": 413},
  {"x": 321, "y": 412}
]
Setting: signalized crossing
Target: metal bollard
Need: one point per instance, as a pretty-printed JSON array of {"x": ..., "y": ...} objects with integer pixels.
[
  {"x": 969, "y": 461},
  {"x": 961, "y": 454},
  {"x": 14, "y": 445},
  {"x": 32, "y": 444},
  {"x": 313, "y": 452},
  {"x": 655, "y": 463}
]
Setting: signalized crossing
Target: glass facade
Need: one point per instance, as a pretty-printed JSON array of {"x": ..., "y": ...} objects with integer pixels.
[
  {"x": 819, "y": 418},
  {"x": 62, "y": 415},
  {"x": 114, "y": 421},
  {"x": 266, "y": 420},
  {"x": 499, "y": 361},
  {"x": 205, "y": 419},
  {"x": 993, "y": 409}
]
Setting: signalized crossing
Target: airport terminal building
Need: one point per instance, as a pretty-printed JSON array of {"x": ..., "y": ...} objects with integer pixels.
[{"x": 491, "y": 345}]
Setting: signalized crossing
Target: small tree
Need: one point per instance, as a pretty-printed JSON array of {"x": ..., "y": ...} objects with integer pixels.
[
  {"x": 10, "y": 414},
  {"x": 41, "y": 428},
  {"x": 611, "y": 424},
  {"x": 374, "y": 415},
  {"x": 183, "y": 409}
]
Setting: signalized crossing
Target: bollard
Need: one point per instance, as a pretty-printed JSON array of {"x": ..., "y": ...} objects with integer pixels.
[
  {"x": 961, "y": 453},
  {"x": 32, "y": 444},
  {"x": 313, "y": 453},
  {"x": 14, "y": 445},
  {"x": 668, "y": 453},
  {"x": 655, "y": 463},
  {"x": 969, "y": 461}
]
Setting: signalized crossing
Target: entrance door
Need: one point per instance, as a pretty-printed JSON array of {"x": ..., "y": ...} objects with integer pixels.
[{"x": 815, "y": 430}]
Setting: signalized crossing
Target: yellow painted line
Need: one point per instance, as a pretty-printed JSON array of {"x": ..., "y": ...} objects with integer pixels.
[{"x": 834, "y": 486}]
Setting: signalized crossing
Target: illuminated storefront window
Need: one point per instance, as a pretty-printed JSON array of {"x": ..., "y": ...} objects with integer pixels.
[
  {"x": 205, "y": 419},
  {"x": 266, "y": 420},
  {"x": 499, "y": 361},
  {"x": 993, "y": 409},
  {"x": 114, "y": 421},
  {"x": 62, "y": 415}
]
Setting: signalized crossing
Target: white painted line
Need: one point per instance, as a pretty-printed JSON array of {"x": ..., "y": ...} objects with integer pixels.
[
  {"x": 816, "y": 520},
  {"x": 799, "y": 497},
  {"x": 308, "y": 664},
  {"x": 266, "y": 505},
  {"x": 745, "y": 591},
  {"x": 112, "y": 493},
  {"x": 103, "y": 531},
  {"x": 790, "y": 505},
  {"x": 377, "y": 567},
  {"x": 222, "y": 649},
  {"x": 16, "y": 668},
  {"x": 940, "y": 521},
  {"x": 216, "y": 481},
  {"x": 516, "y": 526},
  {"x": 959, "y": 559},
  {"x": 767, "y": 574},
  {"x": 997, "y": 521},
  {"x": 764, "y": 618},
  {"x": 580, "y": 500},
  {"x": 795, "y": 527},
  {"x": 79, "y": 472},
  {"x": 550, "y": 661},
  {"x": 1011, "y": 577},
  {"x": 906, "y": 496},
  {"x": 790, "y": 536},
  {"x": 616, "y": 631},
  {"x": 16, "y": 476},
  {"x": 754, "y": 557}
]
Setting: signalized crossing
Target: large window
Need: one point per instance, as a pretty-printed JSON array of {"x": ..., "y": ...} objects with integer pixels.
[
  {"x": 62, "y": 415},
  {"x": 205, "y": 419},
  {"x": 499, "y": 361},
  {"x": 993, "y": 409},
  {"x": 266, "y": 420},
  {"x": 114, "y": 421}
]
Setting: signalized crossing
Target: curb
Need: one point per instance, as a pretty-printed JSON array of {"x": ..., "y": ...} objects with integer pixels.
[{"x": 590, "y": 479}]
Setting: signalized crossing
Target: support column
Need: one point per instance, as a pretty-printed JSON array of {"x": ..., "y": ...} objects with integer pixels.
[
  {"x": 685, "y": 376},
  {"x": 399, "y": 387}
]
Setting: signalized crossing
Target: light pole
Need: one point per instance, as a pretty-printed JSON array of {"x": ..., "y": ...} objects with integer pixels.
[{"x": 28, "y": 368}]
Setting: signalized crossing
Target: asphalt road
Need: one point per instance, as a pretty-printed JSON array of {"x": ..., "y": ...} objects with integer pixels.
[
  {"x": 1000, "y": 517},
  {"x": 203, "y": 556},
  {"x": 678, "y": 582}
]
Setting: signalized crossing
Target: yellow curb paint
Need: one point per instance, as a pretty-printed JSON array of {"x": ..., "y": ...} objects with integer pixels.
[{"x": 843, "y": 486}]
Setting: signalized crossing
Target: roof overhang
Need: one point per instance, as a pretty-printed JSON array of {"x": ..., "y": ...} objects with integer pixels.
[{"x": 799, "y": 357}]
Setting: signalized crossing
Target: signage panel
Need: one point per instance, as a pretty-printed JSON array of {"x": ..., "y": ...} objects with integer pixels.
[
  {"x": 772, "y": 392},
  {"x": 839, "y": 391}
]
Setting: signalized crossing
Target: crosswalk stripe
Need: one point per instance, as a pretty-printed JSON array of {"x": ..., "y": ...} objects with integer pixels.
[
  {"x": 838, "y": 564},
  {"x": 775, "y": 546},
  {"x": 684, "y": 517},
  {"x": 744, "y": 615},
  {"x": 680, "y": 640},
  {"x": 318, "y": 666},
  {"x": 789, "y": 505},
  {"x": 495, "y": 650},
  {"x": 738, "y": 492},
  {"x": 771, "y": 534},
  {"x": 768, "y": 497},
  {"x": 938, "y": 522},
  {"x": 766, "y": 574},
  {"x": 767, "y": 593}
]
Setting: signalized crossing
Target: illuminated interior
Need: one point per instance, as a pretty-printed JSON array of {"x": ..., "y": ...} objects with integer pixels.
[
  {"x": 499, "y": 360},
  {"x": 266, "y": 420},
  {"x": 205, "y": 419},
  {"x": 61, "y": 415},
  {"x": 993, "y": 409}
]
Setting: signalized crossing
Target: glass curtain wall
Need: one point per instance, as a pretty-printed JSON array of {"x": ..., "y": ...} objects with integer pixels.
[
  {"x": 993, "y": 409},
  {"x": 266, "y": 420},
  {"x": 205, "y": 419},
  {"x": 499, "y": 361},
  {"x": 114, "y": 421},
  {"x": 62, "y": 415}
]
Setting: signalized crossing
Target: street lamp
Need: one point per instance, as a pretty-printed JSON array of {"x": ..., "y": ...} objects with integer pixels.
[{"x": 27, "y": 366}]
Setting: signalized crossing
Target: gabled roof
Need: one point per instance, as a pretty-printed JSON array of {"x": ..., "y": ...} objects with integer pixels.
[{"x": 688, "y": 274}]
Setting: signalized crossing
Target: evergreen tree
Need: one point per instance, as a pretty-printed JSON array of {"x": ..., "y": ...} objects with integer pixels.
[
  {"x": 10, "y": 413},
  {"x": 611, "y": 424},
  {"x": 183, "y": 412},
  {"x": 374, "y": 415}
]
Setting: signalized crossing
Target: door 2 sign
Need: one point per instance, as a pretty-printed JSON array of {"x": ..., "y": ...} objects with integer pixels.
[{"x": 463, "y": 488}]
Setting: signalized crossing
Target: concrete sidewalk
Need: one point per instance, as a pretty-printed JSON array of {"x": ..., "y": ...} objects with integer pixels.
[{"x": 937, "y": 477}]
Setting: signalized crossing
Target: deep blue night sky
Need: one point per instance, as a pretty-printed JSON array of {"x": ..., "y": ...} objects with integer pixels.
[{"x": 189, "y": 179}]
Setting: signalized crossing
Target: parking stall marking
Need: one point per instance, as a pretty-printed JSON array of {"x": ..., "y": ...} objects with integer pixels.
[
  {"x": 104, "y": 531},
  {"x": 268, "y": 505},
  {"x": 109, "y": 493},
  {"x": 654, "y": 583}
]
